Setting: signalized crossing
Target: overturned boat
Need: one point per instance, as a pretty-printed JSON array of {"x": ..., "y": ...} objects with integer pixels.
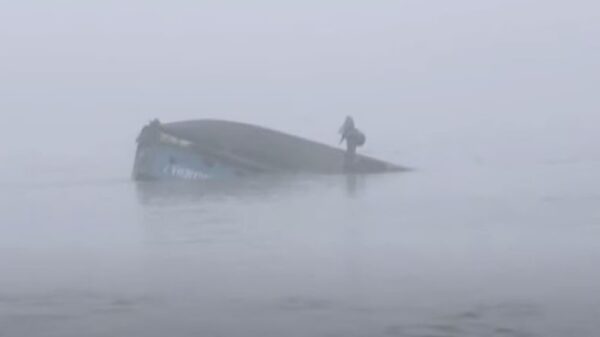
[{"x": 212, "y": 149}]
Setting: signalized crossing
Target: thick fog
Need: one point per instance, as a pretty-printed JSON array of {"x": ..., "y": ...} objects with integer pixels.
[
  {"x": 494, "y": 103},
  {"x": 436, "y": 82}
]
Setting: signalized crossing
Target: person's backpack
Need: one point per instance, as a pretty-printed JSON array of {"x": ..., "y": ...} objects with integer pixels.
[{"x": 360, "y": 137}]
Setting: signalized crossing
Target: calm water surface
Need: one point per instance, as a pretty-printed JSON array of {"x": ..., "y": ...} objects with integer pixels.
[{"x": 476, "y": 251}]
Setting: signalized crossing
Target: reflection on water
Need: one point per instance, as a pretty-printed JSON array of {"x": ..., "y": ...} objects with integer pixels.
[
  {"x": 257, "y": 187},
  {"x": 185, "y": 212},
  {"x": 458, "y": 253},
  {"x": 152, "y": 193},
  {"x": 355, "y": 184}
]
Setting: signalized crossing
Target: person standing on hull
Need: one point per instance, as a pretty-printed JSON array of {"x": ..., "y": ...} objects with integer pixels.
[{"x": 354, "y": 138}]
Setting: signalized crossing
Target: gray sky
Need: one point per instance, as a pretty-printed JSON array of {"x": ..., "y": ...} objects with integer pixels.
[{"x": 511, "y": 79}]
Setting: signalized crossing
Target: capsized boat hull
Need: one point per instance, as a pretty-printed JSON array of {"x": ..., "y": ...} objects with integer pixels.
[{"x": 213, "y": 149}]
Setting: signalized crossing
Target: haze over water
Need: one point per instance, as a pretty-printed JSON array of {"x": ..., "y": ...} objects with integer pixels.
[{"x": 494, "y": 234}]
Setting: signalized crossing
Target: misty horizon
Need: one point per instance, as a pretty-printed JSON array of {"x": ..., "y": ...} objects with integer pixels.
[{"x": 492, "y": 103}]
